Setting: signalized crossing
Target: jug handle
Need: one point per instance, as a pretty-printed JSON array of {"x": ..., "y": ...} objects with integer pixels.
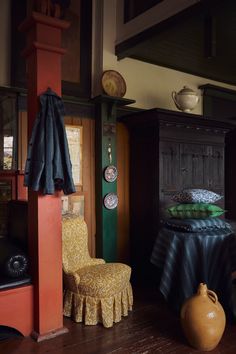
[
  {"x": 212, "y": 295},
  {"x": 173, "y": 94}
]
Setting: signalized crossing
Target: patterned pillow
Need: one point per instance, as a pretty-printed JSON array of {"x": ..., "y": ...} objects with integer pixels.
[
  {"x": 197, "y": 225},
  {"x": 196, "y": 196},
  {"x": 195, "y": 211}
]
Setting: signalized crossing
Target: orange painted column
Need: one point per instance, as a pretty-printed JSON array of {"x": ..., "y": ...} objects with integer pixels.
[{"x": 43, "y": 55}]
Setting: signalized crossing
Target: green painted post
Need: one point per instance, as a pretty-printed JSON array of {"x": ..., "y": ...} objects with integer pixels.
[{"x": 105, "y": 146}]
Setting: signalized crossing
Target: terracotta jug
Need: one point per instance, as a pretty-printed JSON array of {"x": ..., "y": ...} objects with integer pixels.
[{"x": 203, "y": 319}]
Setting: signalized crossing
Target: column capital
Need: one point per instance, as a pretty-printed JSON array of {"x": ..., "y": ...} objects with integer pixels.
[{"x": 38, "y": 18}]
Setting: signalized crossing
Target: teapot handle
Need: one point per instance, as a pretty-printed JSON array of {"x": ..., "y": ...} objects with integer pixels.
[
  {"x": 212, "y": 295},
  {"x": 173, "y": 94}
]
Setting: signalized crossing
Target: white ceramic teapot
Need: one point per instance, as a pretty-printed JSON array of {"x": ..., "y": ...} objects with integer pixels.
[{"x": 186, "y": 99}]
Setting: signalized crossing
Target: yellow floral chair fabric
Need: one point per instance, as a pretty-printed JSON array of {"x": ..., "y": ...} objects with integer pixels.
[{"x": 95, "y": 291}]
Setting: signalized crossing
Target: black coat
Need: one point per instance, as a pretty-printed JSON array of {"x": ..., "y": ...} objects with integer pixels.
[{"x": 48, "y": 166}]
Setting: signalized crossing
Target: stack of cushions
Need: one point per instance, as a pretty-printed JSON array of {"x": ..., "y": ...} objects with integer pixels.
[{"x": 196, "y": 211}]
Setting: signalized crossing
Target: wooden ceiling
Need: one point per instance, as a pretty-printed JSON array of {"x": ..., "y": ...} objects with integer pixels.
[{"x": 200, "y": 40}]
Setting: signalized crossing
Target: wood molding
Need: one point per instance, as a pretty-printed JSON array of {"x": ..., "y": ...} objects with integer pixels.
[
  {"x": 218, "y": 91},
  {"x": 39, "y": 338}
]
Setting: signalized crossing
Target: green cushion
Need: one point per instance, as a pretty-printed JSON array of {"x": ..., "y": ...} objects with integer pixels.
[{"x": 195, "y": 211}]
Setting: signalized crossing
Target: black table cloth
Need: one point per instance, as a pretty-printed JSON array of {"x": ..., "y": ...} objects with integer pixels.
[{"x": 187, "y": 259}]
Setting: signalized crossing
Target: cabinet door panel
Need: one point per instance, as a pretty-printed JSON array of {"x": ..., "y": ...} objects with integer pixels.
[
  {"x": 193, "y": 167},
  {"x": 216, "y": 167},
  {"x": 169, "y": 166}
]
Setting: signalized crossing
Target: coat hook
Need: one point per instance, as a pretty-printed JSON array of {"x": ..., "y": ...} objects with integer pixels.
[{"x": 109, "y": 151}]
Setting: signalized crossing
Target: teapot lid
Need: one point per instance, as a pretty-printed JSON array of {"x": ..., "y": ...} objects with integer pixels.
[{"x": 187, "y": 91}]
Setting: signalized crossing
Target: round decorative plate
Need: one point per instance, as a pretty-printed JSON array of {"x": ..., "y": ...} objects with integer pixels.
[
  {"x": 110, "y": 173},
  {"x": 110, "y": 201},
  {"x": 113, "y": 83}
]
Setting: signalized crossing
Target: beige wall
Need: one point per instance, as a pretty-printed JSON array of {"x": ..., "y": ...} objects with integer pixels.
[
  {"x": 149, "y": 85},
  {"x": 5, "y": 36}
]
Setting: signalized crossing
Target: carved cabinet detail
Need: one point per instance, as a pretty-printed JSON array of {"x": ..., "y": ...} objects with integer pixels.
[
  {"x": 169, "y": 166},
  {"x": 190, "y": 165}
]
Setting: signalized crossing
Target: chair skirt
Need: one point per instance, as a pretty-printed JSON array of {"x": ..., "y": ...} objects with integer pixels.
[{"x": 104, "y": 295}]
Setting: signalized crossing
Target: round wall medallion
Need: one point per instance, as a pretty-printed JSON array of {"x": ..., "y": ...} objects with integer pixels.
[
  {"x": 110, "y": 173},
  {"x": 110, "y": 201},
  {"x": 113, "y": 83}
]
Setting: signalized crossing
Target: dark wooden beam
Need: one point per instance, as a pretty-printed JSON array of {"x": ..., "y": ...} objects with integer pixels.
[{"x": 210, "y": 36}]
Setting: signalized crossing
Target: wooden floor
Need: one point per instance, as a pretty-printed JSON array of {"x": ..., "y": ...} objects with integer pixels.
[{"x": 150, "y": 328}]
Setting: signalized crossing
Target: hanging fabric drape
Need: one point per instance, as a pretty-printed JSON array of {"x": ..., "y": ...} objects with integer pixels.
[{"x": 48, "y": 167}]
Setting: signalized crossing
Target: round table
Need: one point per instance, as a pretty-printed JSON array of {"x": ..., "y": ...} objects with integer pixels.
[{"x": 187, "y": 259}]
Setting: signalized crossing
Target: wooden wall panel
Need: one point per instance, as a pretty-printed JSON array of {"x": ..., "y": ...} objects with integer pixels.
[
  {"x": 123, "y": 193},
  {"x": 22, "y": 140},
  {"x": 89, "y": 180},
  {"x": 88, "y": 176}
]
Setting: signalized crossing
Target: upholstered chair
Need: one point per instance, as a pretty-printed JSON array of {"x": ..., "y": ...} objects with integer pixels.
[{"x": 94, "y": 291}]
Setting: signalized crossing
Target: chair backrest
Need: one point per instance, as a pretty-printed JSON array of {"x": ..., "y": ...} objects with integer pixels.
[{"x": 74, "y": 243}]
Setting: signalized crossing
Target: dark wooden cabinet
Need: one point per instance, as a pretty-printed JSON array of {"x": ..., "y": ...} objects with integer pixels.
[{"x": 169, "y": 151}]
